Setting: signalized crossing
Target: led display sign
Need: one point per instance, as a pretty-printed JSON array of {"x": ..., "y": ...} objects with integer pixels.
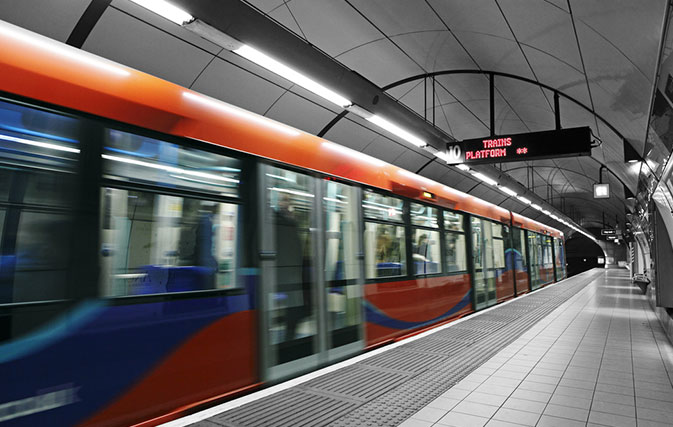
[{"x": 520, "y": 147}]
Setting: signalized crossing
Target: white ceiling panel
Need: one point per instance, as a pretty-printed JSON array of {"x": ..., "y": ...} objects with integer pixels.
[
  {"x": 558, "y": 75},
  {"x": 474, "y": 16},
  {"x": 127, "y": 40},
  {"x": 381, "y": 62},
  {"x": 266, "y": 6},
  {"x": 435, "y": 50},
  {"x": 300, "y": 113},
  {"x": 236, "y": 86},
  {"x": 633, "y": 28},
  {"x": 51, "y": 18},
  {"x": 332, "y": 26},
  {"x": 353, "y": 135},
  {"x": 384, "y": 148},
  {"x": 543, "y": 27},
  {"x": 395, "y": 17},
  {"x": 496, "y": 53},
  {"x": 410, "y": 160},
  {"x": 436, "y": 171}
]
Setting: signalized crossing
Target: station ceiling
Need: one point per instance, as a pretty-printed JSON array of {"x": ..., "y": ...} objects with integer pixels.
[{"x": 602, "y": 56}]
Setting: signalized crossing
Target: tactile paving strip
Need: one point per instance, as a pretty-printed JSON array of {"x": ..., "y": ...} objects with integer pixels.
[{"x": 386, "y": 389}]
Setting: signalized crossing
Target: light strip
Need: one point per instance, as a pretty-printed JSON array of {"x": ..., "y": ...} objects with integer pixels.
[
  {"x": 170, "y": 169},
  {"x": 352, "y": 153},
  {"x": 484, "y": 178},
  {"x": 296, "y": 193},
  {"x": 463, "y": 167},
  {"x": 535, "y": 206},
  {"x": 507, "y": 190},
  {"x": 39, "y": 144},
  {"x": 61, "y": 49},
  {"x": 525, "y": 200},
  {"x": 442, "y": 155},
  {"x": 396, "y": 130},
  {"x": 239, "y": 112},
  {"x": 166, "y": 9},
  {"x": 288, "y": 73}
]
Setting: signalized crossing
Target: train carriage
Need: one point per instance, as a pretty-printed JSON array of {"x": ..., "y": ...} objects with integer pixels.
[{"x": 161, "y": 250}]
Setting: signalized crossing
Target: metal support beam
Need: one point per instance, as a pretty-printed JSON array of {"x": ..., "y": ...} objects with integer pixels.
[
  {"x": 491, "y": 98},
  {"x": 557, "y": 110}
]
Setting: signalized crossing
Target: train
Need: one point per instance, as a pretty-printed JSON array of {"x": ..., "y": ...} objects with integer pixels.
[{"x": 162, "y": 251}]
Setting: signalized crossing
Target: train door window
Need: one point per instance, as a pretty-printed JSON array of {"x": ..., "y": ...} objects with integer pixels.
[
  {"x": 547, "y": 260},
  {"x": 290, "y": 198},
  {"x": 174, "y": 232},
  {"x": 456, "y": 259},
  {"x": 484, "y": 271},
  {"x": 519, "y": 260},
  {"x": 342, "y": 268},
  {"x": 535, "y": 253},
  {"x": 39, "y": 154},
  {"x": 560, "y": 258},
  {"x": 427, "y": 254},
  {"x": 385, "y": 244}
]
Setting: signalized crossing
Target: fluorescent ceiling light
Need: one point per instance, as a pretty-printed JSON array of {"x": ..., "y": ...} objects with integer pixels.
[
  {"x": 508, "y": 191},
  {"x": 546, "y": 212},
  {"x": 352, "y": 153},
  {"x": 58, "y": 48},
  {"x": 39, "y": 144},
  {"x": 463, "y": 167},
  {"x": 288, "y": 73},
  {"x": 166, "y": 9},
  {"x": 484, "y": 178},
  {"x": 396, "y": 130},
  {"x": 239, "y": 112},
  {"x": 442, "y": 155},
  {"x": 535, "y": 206},
  {"x": 170, "y": 169},
  {"x": 525, "y": 200}
]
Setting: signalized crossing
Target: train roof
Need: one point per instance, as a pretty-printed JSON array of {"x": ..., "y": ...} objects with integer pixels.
[{"x": 36, "y": 67}]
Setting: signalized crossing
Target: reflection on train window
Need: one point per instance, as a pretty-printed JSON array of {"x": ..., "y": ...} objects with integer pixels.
[
  {"x": 342, "y": 269},
  {"x": 423, "y": 215},
  {"x": 453, "y": 221},
  {"x": 385, "y": 252},
  {"x": 427, "y": 251},
  {"x": 455, "y": 252},
  {"x": 498, "y": 246},
  {"x": 156, "y": 243},
  {"x": 384, "y": 208},
  {"x": 134, "y": 158},
  {"x": 292, "y": 318},
  {"x": 38, "y": 160}
]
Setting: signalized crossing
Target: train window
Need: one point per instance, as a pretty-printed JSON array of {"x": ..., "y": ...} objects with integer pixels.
[
  {"x": 156, "y": 243},
  {"x": 427, "y": 253},
  {"x": 422, "y": 215},
  {"x": 385, "y": 252},
  {"x": 384, "y": 208},
  {"x": 39, "y": 152},
  {"x": 340, "y": 232},
  {"x": 138, "y": 159},
  {"x": 453, "y": 221},
  {"x": 498, "y": 246},
  {"x": 342, "y": 269}
]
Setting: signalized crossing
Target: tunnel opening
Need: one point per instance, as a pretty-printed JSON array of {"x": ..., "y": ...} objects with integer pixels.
[{"x": 583, "y": 254}]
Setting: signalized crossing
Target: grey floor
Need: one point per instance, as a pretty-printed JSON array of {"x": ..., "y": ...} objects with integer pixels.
[{"x": 599, "y": 359}]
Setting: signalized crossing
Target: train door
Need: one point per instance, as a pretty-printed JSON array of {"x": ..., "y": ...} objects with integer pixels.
[
  {"x": 310, "y": 299},
  {"x": 483, "y": 271}
]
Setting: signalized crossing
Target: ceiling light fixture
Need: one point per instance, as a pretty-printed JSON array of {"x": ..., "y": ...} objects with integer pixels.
[
  {"x": 463, "y": 167},
  {"x": 525, "y": 200},
  {"x": 507, "y": 190},
  {"x": 167, "y": 10},
  {"x": 294, "y": 76},
  {"x": 485, "y": 179},
  {"x": 396, "y": 130}
]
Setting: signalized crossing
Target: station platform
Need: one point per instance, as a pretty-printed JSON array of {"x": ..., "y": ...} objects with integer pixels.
[{"x": 586, "y": 351}]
